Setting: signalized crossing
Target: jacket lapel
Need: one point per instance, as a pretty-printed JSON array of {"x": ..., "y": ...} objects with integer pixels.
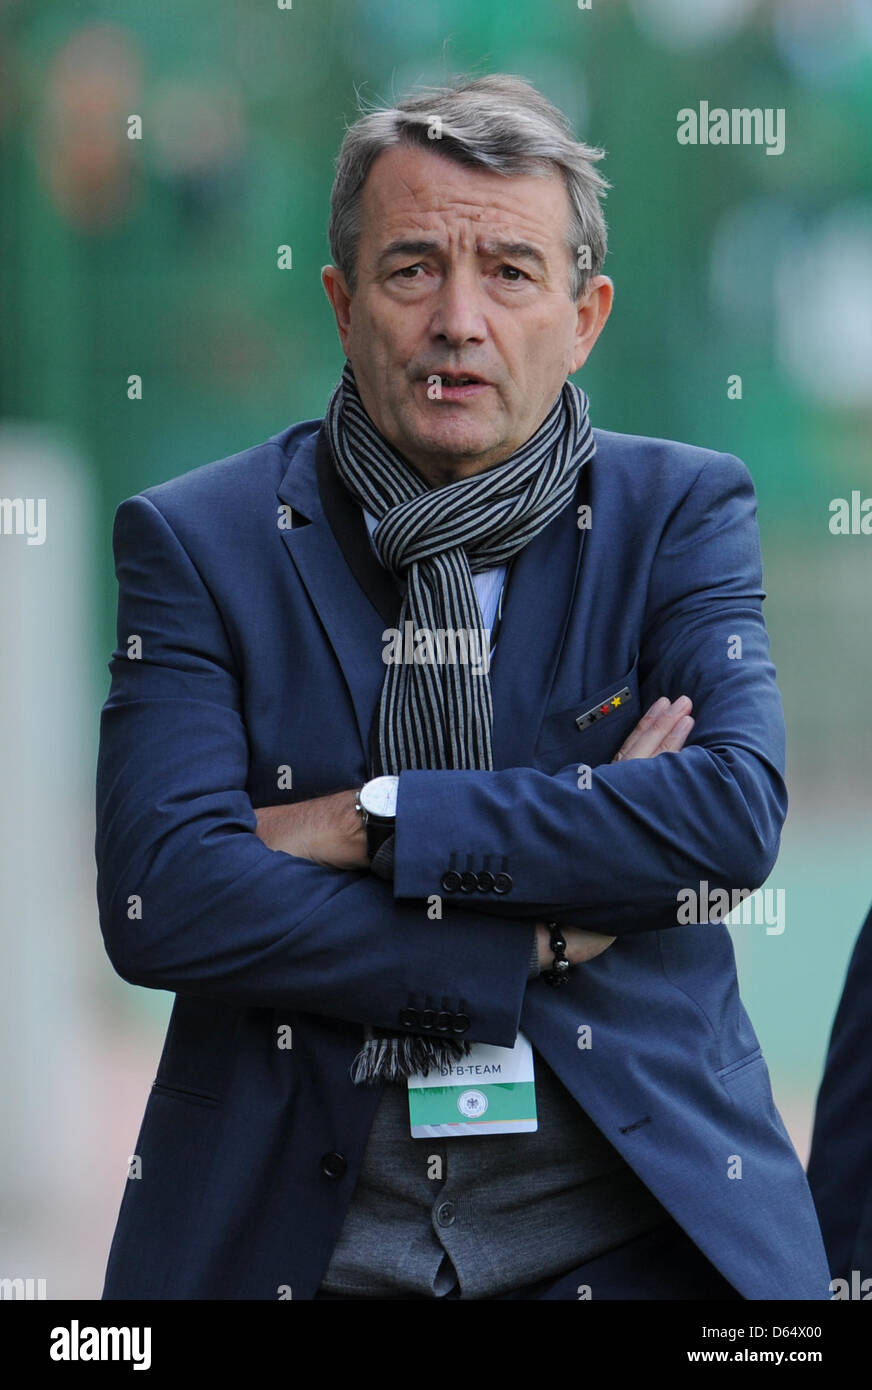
[
  {"x": 334, "y": 547},
  {"x": 355, "y": 601},
  {"x": 540, "y": 591}
]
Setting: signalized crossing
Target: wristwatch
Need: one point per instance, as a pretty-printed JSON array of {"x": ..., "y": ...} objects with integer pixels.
[{"x": 377, "y": 804}]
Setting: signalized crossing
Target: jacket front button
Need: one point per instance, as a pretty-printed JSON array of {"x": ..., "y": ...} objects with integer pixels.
[
  {"x": 334, "y": 1165},
  {"x": 445, "y": 1214}
]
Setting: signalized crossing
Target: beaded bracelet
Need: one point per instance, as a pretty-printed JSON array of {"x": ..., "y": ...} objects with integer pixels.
[{"x": 558, "y": 973}]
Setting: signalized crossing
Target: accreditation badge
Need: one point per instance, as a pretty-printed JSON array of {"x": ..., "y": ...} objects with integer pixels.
[{"x": 491, "y": 1091}]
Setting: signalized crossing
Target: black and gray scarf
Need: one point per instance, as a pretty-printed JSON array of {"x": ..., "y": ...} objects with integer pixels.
[{"x": 438, "y": 714}]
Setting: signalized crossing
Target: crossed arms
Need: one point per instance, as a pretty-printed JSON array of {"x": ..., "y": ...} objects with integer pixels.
[
  {"x": 191, "y": 899},
  {"x": 329, "y": 831}
]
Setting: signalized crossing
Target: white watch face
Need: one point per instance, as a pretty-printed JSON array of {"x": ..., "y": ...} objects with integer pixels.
[{"x": 379, "y": 797}]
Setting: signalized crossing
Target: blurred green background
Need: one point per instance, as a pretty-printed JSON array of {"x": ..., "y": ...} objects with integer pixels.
[{"x": 158, "y": 257}]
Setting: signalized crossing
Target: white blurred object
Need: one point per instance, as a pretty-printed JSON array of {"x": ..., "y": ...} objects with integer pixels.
[
  {"x": 823, "y": 40},
  {"x": 744, "y": 249},
  {"x": 823, "y": 299},
  {"x": 48, "y": 739},
  {"x": 678, "y": 24}
]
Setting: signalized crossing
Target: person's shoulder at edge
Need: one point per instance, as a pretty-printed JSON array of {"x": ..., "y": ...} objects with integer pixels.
[
  {"x": 263, "y": 464},
  {"x": 656, "y": 457}
]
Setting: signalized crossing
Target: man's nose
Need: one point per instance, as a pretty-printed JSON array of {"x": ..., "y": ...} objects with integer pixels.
[{"x": 458, "y": 314}]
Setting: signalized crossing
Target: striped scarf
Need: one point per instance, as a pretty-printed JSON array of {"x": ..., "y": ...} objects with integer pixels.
[{"x": 435, "y": 710}]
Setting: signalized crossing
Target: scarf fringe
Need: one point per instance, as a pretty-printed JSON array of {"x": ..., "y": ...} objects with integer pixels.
[{"x": 395, "y": 1059}]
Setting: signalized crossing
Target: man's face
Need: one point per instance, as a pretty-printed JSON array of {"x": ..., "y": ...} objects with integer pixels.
[{"x": 462, "y": 273}]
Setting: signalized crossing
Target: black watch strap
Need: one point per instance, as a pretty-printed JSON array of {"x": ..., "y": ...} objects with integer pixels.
[{"x": 377, "y": 832}]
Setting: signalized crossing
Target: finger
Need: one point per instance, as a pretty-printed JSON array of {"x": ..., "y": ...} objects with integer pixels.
[
  {"x": 649, "y": 739},
  {"x": 658, "y": 708},
  {"x": 662, "y": 727},
  {"x": 678, "y": 736},
  {"x": 652, "y": 731}
]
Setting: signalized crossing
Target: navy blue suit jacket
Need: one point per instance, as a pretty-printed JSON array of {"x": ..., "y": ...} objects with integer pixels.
[
  {"x": 261, "y": 649},
  {"x": 840, "y": 1165}
]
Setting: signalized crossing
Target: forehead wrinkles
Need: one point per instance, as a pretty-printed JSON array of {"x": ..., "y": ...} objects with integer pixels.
[{"x": 464, "y": 221}]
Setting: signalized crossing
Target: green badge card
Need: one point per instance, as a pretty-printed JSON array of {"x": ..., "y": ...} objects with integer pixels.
[{"x": 492, "y": 1091}]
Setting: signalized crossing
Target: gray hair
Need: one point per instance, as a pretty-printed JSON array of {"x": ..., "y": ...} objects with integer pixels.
[{"x": 498, "y": 122}]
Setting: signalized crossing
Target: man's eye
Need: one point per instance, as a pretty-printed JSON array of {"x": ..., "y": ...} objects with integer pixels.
[
  {"x": 513, "y": 272},
  {"x": 408, "y": 270}
]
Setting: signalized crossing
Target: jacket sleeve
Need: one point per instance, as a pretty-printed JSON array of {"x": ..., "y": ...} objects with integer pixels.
[
  {"x": 190, "y": 900},
  {"x": 614, "y": 855}
]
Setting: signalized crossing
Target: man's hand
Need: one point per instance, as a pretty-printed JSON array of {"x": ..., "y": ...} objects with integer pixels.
[
  {"x": 663, "y": 729},
  {"x": 327, "y": 830}
]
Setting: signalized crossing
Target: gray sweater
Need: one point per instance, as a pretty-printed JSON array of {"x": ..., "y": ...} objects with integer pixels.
[{"x": 508, "y": 1210}]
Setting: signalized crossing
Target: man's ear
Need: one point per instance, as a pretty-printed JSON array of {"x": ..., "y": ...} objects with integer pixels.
[
  {"x": 594, "y": 307},
  {"x": 338, "y": 293}
]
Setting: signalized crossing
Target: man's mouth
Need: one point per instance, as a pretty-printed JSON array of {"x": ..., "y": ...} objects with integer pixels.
[{"x": 454, "y": 386}]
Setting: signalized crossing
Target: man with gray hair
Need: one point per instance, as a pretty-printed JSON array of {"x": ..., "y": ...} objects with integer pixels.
[{"x": 437, "y": 1030}]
